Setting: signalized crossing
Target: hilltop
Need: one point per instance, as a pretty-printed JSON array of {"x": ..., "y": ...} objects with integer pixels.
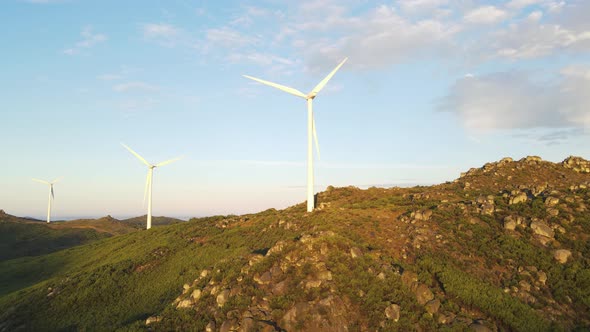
[
  {"x": 503, "y": 247},
  {"x": 30, "y": 237}
]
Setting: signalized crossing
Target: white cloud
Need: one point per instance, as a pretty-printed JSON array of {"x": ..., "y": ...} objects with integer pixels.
[
  {"x": 135, "y": 86},
  {"x": 421, "y": 5},
  {"x": 519, "y": 4},
  {"x": 229, "y": 38},
  {"x": 528, "y": 39},
  {"x": 164, "y": 34},
  {"x": 535, "y": 16},
  {"x": 515, "y": 100},
  {"x": 485, "y": 15},
  {"x": 89, "y": 39}
]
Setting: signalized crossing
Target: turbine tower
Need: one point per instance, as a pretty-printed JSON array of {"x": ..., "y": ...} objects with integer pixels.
[
  {"x": 148, "y": 181},
  {"x": 51, "y": 195},
  {"x": 311, "y": 130}
]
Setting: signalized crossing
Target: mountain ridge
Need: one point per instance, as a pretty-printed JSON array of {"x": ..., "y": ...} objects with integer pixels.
[{"x": 503, "y": 247}]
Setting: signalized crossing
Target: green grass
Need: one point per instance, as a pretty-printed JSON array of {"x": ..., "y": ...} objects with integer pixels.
[
  {"x": 32, "y": 239},
  {"x": 104, "y": 280}
]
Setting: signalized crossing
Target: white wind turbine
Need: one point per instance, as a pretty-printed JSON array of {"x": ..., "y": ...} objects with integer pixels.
[
  {"x": 148, "y": 181},
  {"x": 51, "y": 195},
  {"x": 311, "y": 130}
]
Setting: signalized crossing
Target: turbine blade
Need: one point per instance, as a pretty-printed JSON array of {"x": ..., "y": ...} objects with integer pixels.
[
  {"x": 41, "y": 181},
  {"x": 321, "y": 85},
  {"x": 145, "y": 191},
  {"x": 57, "y": 180},
  {"x": 169, "y": 161},
  {"x": 136, "y": 155},
  {"x": 52, "y": 196},
  {"x": 315, "y": 135},
  {"x": 278, "y": 86}
]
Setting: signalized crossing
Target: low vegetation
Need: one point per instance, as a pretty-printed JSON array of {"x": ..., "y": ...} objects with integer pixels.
[{"x": 503, "y": 247}]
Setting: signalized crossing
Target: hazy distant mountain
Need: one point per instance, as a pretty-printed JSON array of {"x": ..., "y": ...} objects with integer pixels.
[
  {"x": 140, "y": 222},
  {"x": 504, "y": 247}
]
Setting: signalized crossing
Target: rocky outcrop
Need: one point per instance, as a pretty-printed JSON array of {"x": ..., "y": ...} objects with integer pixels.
[{"x": 578, "y": 164}]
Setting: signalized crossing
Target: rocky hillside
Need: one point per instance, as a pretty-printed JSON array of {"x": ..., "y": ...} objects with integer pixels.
[{"x": 503, "y": 247}]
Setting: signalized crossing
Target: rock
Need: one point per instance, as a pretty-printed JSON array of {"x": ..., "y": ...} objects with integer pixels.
[
  {"x": 229, "y": 325},
  {"x": 509, "y": 223},
  {"x": 553, "y": 212},
  {"x": 479, "y": 327},
  {"x": 280, "y": 288},
  {"x": 423, "y": 294},
  {"x": 532, "y": 159},
  {"x": 578, "y": 164},
  {"x": 487, "y": 209},
  {"x": 210, "y": 327},
  {"x": 184, "y": 304},
  {"x": 525, "y": 286},
  {"x": 518, "y": 198},
  {"x": 152, "y": 319},
  {"x": 312, "y": 283},
  {"x": 324, "y": 275},
  {"x": 432, "y": 306},
  {"x": 196, "y": 294},
  {"x": 541, "y": 228},
  {"x": 542, "y": 276},
  {"x": 204, "y": 273},
  {"x": 185, "y": 287},
  {"x": 263, "y": 279},
  {"x": 505, "y": 160},
  {"x": 562, "y": 255},
  {"x": 248, "y": 324},
  {"x": 279, "y": 246},
  {"x": 392, "y": 312},
  {"x": 551, "y": 201},
  {"x": 222, "y": 297},
  {"x": 355, "y": 252},
  {"x": 409, "y": 278},
  {"x": 255, "y": 259}
]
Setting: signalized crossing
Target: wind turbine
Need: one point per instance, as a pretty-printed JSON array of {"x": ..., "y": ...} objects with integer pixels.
[
  {"x": 148, "y": 181},
  {"x": 51, "y": 195},
  {"x": 310, "y": 125}
]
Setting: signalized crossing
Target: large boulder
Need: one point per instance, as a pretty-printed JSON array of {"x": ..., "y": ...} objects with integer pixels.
[
  {"x": 423, "y": 294},
  {"x": 222, "y": 297},
  {"x": 551, "y": 201},
  {"x": 541, "y": 228},
  {"x": 392, "y": 312},
  {"x": 562, "y": 255},
  {"x": 518, "y": 198},
  {"x": 184, "y": 304}
]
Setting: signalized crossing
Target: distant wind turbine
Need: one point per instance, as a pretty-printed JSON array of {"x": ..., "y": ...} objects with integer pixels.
[
  {"x": 51, "y": 195},
  {"x": 311, "y": 130},
  {"x": 148, "y": 181}
]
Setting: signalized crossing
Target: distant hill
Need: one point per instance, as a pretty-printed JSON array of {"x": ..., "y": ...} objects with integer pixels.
[
  {"x": 505, "y": 247},
  {"x": 30, "y": 237},
  {"x": 140, "y": 222},
  {"x": 23, "y": 237}
]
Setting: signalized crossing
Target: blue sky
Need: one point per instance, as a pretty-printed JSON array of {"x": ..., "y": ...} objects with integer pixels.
[{"x": 431, "y": 88}]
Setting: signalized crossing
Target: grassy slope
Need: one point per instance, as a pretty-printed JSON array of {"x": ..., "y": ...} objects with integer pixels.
[
  {"x": 19, "y": 239},
  {"x": 116, "y": 283},
  {"x": 118, "y": 280}
]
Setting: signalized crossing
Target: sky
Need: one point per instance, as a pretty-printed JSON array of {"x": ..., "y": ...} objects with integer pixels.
[{"x": 431, "y": 88}]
